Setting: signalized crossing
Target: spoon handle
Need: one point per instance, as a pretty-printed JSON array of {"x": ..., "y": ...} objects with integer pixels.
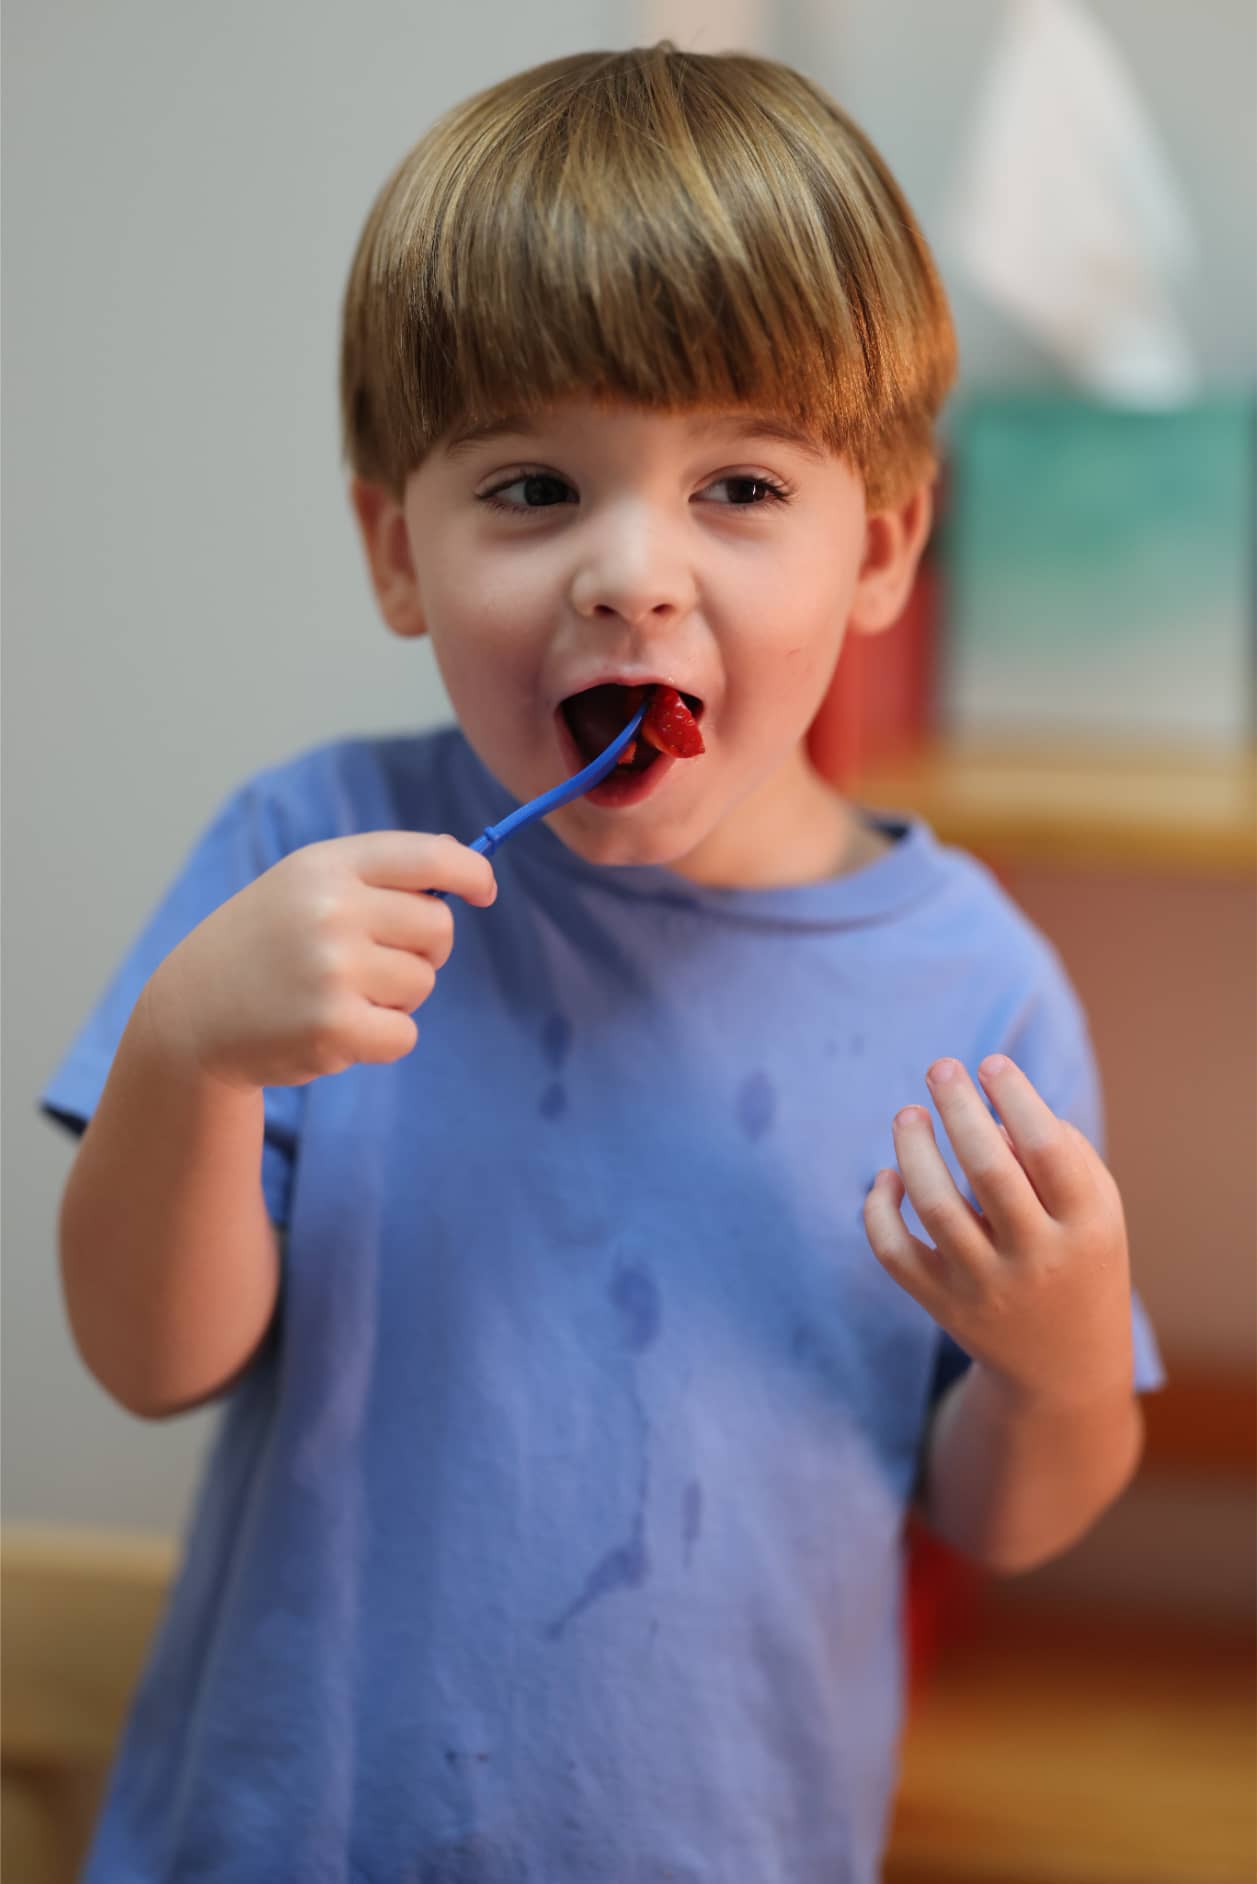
[{"x": 574, "y": 787}]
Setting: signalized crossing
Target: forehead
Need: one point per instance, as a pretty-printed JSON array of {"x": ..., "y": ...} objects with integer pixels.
[{"x": 699, "y": 428}]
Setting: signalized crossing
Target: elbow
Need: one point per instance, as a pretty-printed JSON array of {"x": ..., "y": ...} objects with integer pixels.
[
  {"x": 163, "y": 1392},
  {"x": 1003, "y": 1556},
  {"x": 138, "y": 1405},
  {"x": 1007, "y": 1562},
  {"x": 148, "y": 1391},
  {"x": 105, "y": 1358},
  {"x": 158, "y": 1363},
  {"x": 1018, "y": 1559},
  {"x": 1007, "y": 1556},
  {"x": 1007, "y": 1536},
  {"x": 145, "y": 1402},
  {"x": 1015, "y": 1555},
  {"x": 128, "y": 1387},
  {"x": 152, "y": 1402}
]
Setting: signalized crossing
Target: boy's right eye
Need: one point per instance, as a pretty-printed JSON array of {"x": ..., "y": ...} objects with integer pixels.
[{"x": 530, "y": 480}]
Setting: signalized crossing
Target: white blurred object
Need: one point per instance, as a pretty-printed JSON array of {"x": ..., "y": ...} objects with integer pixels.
[
  {"x": 705, "y": 25},
  {"x": 1067, "y": 212}
]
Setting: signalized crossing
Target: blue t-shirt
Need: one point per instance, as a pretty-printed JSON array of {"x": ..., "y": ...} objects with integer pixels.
[{"x": 555, "y": 1534}]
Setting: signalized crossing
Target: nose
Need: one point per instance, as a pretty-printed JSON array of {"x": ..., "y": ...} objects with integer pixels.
[{"x": 633, "y": 576}]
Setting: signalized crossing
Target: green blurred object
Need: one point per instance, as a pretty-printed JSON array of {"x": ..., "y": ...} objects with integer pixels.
[{"x": 1100, "y": 572}]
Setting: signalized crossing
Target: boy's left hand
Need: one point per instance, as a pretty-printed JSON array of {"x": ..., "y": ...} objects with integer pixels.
[{"x": 1037, "y": 1287}]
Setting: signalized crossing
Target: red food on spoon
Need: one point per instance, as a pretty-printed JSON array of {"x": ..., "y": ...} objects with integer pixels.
[{"x": 669, "y": 727}]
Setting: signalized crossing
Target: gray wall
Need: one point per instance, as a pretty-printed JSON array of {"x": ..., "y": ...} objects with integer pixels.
[
  {"x": 184, "y": 599},
  {"x": 1195, "y": 68}
]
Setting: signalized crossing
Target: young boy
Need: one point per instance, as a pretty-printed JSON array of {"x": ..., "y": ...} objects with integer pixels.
[{"x": 579, "y": 1360}]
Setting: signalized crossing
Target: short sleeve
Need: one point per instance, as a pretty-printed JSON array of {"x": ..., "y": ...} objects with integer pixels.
[
  {"x": 1048, "y": 1038},
  {"x": 242, "y": 840}
]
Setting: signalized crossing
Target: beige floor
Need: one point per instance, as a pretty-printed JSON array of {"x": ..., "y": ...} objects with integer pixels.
[
  {"x": 1050, "y": 1748},
  {"x": 1043, "y": 1749}
]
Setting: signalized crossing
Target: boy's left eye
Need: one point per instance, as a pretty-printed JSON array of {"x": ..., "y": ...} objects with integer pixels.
[
  {"x": 776, "y": 493},
  {"x": 532, "y": 480}
]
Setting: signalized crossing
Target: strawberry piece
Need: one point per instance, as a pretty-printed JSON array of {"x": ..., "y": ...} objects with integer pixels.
[
  {"x": 628, "y": 754},
  {"x": 670, "y": 727}
]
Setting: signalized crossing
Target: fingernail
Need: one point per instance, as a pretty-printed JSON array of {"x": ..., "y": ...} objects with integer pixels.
[
  {"x": 993, "y": 1065},
  {"x": 941, "y": 1072}
]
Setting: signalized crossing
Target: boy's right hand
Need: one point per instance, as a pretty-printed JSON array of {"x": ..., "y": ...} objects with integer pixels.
[{"x": 320, "y": 962}]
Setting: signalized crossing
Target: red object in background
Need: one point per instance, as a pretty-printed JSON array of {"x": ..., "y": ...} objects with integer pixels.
[
  {"x": 942, "y": 1602},
  {"x": 880, "y": 708},
  {"x": 881, "y": 702}
]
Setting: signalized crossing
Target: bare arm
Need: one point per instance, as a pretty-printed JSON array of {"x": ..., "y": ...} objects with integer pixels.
[
  {"x": 1044, "y": 1430},
  {"x": 1012, "y": 1481},
  {"x": 169, "y": 1262}
]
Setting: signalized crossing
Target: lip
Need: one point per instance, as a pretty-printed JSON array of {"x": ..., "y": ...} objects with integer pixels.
[
  {"x": 619, "y": 789},
  {"x": 621, "y": 677}
]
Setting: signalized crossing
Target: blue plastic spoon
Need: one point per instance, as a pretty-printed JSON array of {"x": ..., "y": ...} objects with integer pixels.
[{"x": 574, "y": 787}]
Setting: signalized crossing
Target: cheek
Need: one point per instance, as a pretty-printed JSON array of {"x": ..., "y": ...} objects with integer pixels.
[
  {"x": 490, "y": 669},
  {"x": 796, "y": 609},
  {"x": 473, "y": 599},
  {"x": 811, "y": 647},
  {"x": 790, "y": 670},
  {"x": 481, "y": 629},
  {"x": 776, "y": 694}
]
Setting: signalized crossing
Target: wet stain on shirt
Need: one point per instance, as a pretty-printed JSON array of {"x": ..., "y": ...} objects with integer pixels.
[
  {"x": 556, "y": 1040},
  {"x": 556, "y": 1044},
  {"x": 819, "y": 1361},
  {"x": 635, "y": 1296},
  {"x": 625, "y": 1567},
  {"x": 474, "y": 1859},
  {"x": 691, "y": 1517}
]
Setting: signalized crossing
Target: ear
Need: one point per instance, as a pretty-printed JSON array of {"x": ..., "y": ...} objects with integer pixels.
[
  {"x": 382, "y": 524},
  {"x": 893, "y": 541}
]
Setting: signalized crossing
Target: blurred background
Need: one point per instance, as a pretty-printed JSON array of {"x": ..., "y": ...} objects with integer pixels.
[{"x": 1070, "y": 694}]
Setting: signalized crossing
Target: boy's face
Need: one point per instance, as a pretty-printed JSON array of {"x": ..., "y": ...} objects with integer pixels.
[{"x": 633, "y": 546}]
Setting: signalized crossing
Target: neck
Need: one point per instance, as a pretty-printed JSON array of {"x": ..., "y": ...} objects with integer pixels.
[{"x": 792, "y": 829}]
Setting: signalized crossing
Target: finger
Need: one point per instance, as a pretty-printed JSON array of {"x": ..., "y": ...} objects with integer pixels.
[
  {"x": 986, "y": 1155},
  {"x": 910, "y": 1262},
  {"x": 949, "y": 1219},
  {"x": 399, "y": 978},
  {"x": 382, "y": 1035},
  {"x": 418, "y": 860},
  {"x": 422, "y": 924},
  {"x": 1059, "y": 1161}
]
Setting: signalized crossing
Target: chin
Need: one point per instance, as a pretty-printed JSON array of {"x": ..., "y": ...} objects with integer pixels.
[{"x": 620, "y": 843}]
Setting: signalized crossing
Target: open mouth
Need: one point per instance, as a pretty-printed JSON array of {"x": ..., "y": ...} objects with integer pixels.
[{"x": 597, "y": 714}]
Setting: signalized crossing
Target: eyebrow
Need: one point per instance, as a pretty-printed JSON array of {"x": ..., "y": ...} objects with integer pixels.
[{"x": 753, "y": 425}]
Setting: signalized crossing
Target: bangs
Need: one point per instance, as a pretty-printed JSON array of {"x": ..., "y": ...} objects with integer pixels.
[{"x": 670, "y": 230}]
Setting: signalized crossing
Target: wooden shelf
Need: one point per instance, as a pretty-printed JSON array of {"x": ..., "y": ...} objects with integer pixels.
[
  {"x": 1043, "y": 1747},
  {"x": 1073, "y": 1749},
  {"x": 1201, "y": 1424},
  {"x": 1082, "y": 807}
]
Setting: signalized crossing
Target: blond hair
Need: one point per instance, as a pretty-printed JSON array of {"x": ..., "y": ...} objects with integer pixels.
[{"x": 675, "y": 230}]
